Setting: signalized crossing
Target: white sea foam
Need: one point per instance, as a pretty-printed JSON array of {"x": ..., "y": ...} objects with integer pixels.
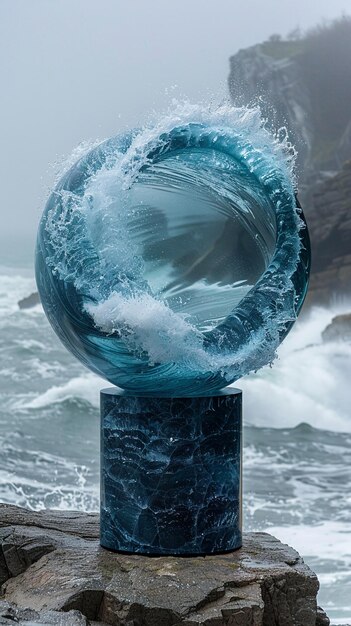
[
  {"x": 61, "y": 165},
  {"x": 331, "y": 538},
  {"x": 241, "y": 121},
  {"x": 150, "y": 325},
  {"x": 308, "y": 383},
  {"x": 35, "y": 494},
  {"x": 85, "y": 388},
  {"x": 13, "y": 287},
  {"x": 326, "y": 547},
  {"x": 31, "y": 344},
  {"x": 44, "y": 369}
]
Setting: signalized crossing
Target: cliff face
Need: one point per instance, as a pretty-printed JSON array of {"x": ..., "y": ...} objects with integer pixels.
[
  {"x": 305, "y": 86},
  {"x": 330, "y": 226},
  {"x": 270, "y": 74}
]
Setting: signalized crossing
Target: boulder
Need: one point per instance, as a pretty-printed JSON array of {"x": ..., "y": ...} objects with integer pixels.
[
  {"x": 52, "y": 567},
  {"x": 339, "y": 329},
  {"x": 29, "y": 301}
]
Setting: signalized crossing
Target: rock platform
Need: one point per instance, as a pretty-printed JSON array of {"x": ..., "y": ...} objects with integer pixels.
[{"x": 53, "y": 571}]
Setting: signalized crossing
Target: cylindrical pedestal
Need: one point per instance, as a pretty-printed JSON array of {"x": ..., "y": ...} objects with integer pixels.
[{"x": 171, "y": 473}]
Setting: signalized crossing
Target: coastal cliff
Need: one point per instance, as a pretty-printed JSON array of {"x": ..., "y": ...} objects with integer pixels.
[
  {"x": 269, "y": 74},
  {"x": 304, "y": 84},
  {"x": 53, "y": 571},
  {"x": 330, "y": 225}
]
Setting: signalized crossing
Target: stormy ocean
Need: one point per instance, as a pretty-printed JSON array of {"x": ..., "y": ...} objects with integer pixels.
[{"x": 297, "y": 448}]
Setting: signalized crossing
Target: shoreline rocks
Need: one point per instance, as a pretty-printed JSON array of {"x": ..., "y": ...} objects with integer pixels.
[
  {"x": 339, "y": 329},
  {"x": 29, "y": 301},
  {"x": 52, "y": 566}
]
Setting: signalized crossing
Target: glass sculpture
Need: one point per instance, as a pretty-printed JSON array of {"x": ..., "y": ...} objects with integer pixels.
[{"x": 173, "y": 260}]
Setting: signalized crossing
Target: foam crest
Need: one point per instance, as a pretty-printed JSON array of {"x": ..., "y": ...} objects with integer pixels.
[
  {"x": 236, "y": 122},
  {"x": 149, "y": 325},
  {"x": 85, "y": 388},
  {"x": 13, "y": 287},
  {"x": 309, "y": 383}
]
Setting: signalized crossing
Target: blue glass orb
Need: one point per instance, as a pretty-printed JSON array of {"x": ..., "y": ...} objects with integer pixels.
[{"x": 175, "y": 262}]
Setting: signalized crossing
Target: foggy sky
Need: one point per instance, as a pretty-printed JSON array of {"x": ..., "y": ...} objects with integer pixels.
[{"x": 72, "y": 70}]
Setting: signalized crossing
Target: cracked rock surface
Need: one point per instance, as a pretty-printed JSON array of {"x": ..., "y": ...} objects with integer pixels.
[{"x": 53, "y": 571}]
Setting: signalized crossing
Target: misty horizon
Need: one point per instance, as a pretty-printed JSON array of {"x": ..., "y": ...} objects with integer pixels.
[{"x": 74, "y": 72}]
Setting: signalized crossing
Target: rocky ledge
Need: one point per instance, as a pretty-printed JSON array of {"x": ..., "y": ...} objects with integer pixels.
[
  {"x": 53, "y": 571},
  {"x": 339, "y": 329}
]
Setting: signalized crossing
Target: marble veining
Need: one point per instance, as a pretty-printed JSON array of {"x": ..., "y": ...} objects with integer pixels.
[{"x": 171, "y": 473}]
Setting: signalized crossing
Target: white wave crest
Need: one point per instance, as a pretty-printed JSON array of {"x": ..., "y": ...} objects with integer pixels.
[
  {"x": 150, "y": 325},
  {"x": 309, "y": 382},
  {"x": 84, "y": 388},
  {"x": 14, "y": 287}
]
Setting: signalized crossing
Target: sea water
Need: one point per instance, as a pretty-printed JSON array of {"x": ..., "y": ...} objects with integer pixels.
[{"x": 297, "y": 435}]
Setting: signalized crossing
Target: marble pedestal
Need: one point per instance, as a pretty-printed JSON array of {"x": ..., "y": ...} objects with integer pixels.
[{"x": 171, "y": 473}]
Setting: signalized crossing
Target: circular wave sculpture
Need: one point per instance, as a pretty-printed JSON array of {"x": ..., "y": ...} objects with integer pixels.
[
  {"x": 176, "y": 258},
  {"x": 172, "y": 260}
]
